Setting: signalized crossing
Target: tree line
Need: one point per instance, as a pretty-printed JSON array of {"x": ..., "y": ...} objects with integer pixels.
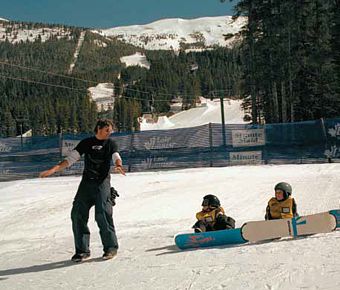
[{"x": 290, "y": 59}]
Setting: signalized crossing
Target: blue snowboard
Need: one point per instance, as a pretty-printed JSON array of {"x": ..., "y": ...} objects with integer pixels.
[{"x": 209, "y": 239}]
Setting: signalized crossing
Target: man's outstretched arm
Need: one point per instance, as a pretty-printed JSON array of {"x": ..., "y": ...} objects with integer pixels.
[
  {"x": 59, "y": 167},
  {"x": 73, "y": 157}
]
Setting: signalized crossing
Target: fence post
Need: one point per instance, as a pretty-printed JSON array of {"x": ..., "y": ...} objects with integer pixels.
[
  {"x": 223, "y": 122},
  {"x": 211, "y": 145},
  {"x": 60, "y": 135},
  {"x": 131, "y": 149},
  {"x": 329, "y": 157}
]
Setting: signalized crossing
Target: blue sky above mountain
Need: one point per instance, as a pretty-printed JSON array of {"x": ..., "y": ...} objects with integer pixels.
[{"x": 110, "y": 13}]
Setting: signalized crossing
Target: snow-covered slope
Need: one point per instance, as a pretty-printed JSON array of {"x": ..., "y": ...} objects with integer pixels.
[
  {"x": 36, "y": 240},
  {"x": 103, "y": 95},
  {"x": 21, "y": 32},
  {"x": 137, "y": 59},
  {"x": 173, "y": 33},
  {"x": 210, "y": 112}
]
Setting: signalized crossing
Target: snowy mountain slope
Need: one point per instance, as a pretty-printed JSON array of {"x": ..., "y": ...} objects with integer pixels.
[
  {"x": 209, "y": 113},
  {"x": 171, "y": 34},
  {"x": 22, "y": 32},
  {"x": 36, "y": 238}
]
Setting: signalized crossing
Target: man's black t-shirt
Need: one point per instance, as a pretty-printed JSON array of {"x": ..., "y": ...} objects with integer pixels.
[{"x": 98, "y": 156}]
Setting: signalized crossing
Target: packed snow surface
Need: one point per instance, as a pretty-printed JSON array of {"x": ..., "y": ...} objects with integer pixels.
[{"x": 36, "y": 241}]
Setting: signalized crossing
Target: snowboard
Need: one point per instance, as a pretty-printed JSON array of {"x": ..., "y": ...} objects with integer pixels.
[
  {"x": 209, "y": 239},
  {"x": 336, "y": 213},
  {"x": 255, "y": 231},
  {"x": 298, "y": 226}
]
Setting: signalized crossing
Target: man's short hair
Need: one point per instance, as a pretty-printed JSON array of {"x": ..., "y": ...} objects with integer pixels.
[{"x": 101, "y": 123}]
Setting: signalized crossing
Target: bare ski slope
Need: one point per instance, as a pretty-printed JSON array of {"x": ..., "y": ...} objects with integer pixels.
[{"x": 36, "y": 240}]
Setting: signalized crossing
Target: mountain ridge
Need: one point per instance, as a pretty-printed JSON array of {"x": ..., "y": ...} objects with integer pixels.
[
  {"x": 175, "y": 33},
  {"x": 165, "y": 34}
]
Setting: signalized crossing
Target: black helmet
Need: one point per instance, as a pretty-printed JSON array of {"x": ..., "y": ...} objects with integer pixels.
[
  {"x": 211, "y": 200},
  {"x": 285, "y": 187}
]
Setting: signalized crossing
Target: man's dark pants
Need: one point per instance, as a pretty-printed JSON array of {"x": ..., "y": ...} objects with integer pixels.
[{"x": 90, "y": 193}]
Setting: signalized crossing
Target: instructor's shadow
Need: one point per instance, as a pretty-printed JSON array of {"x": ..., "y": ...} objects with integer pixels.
[
  {"x": 43, "y": 267},
  {"x": 171, "y": 249}
]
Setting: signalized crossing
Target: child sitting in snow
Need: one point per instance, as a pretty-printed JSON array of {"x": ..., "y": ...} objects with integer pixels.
[
  {"x": 212, "y": 216},
  {"x": 282, "y": 206}
]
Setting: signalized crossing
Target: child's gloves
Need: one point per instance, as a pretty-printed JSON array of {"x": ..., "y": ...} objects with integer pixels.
[{"x": 113, "y": 196}]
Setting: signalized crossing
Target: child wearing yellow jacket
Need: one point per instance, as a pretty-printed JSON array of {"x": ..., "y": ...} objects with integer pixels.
[
  {"x": 212, "y": 216},
  {"x": 282, "y": 206}
]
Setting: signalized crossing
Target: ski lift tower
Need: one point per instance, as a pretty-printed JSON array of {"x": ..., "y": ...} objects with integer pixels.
[{"x": 21, "y": 120}]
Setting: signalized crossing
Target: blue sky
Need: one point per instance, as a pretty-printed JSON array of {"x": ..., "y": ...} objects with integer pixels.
[{"x": 110, "y": 13}]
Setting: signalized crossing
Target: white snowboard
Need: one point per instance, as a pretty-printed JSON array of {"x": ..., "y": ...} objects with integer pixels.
[{"x": 298, "y": 226}]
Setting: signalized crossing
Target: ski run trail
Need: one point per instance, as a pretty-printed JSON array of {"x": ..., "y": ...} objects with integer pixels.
[
  {"x": 76, "y": 53},
  {"x": 36, "y": 241}
]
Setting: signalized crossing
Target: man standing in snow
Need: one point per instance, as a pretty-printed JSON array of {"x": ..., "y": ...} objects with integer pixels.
[{"x": 94, "y": 189}]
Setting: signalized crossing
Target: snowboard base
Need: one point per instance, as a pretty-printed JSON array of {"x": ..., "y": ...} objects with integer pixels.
[{"x": 209, "y": 239}]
